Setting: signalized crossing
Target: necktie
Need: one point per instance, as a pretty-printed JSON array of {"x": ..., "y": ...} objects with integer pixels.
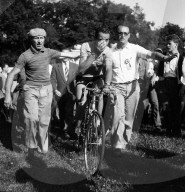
[{"x": 66, "y": 72}]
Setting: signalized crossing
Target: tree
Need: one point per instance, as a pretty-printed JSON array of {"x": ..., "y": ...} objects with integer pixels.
[
  {"x": 169, "y": 29},
  {"x": 68, "y": 22}
]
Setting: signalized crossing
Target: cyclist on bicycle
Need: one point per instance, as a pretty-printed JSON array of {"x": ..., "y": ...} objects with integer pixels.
[{"x": 99, "y": 55}]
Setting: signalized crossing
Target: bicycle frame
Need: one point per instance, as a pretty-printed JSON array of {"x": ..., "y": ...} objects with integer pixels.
[{"x": 90, "y": 106}]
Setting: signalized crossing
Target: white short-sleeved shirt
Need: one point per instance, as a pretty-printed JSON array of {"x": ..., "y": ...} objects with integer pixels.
[
  {"x": 170, "y": 68},
  {"x": 126, "y": 62}
]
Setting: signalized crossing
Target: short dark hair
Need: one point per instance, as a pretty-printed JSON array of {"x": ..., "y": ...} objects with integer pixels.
[
  {"x": 103, "y": 29},
  {"x": 3, "y": 65},
  {"x": 173, "y": 37}
]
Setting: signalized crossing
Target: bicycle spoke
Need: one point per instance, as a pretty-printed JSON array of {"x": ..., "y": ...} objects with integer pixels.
[{"x": 94, "y": 143}]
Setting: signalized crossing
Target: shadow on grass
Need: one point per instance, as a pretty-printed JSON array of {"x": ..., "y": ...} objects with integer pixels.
[
  {"x": 155, "y": 154},
  {"x": 176, "y": 185},
  {"x": 150, "y": 131},
  {"x": 53, "y": 179},
  {"x": 135, "y": 169}
]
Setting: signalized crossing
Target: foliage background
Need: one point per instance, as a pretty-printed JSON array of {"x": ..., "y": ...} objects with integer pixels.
[{"x": 68, "y": 22}]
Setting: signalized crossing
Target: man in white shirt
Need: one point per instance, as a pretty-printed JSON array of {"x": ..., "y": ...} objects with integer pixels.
[
  {"x": 172, "y": 72},
  {"x": 120, "y": 109}
]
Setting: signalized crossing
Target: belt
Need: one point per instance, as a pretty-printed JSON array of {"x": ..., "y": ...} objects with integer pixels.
[
  {"x": 128, "y": 82},
  {"x": 171, "y": 78}
]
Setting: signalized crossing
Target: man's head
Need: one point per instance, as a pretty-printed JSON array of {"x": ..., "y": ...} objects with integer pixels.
[
  {"x": 172, "y": 43},
  {"x": 123, "y": 34},
  {"x": 37, "y": 36},
  {"x": 4, "y": 67},
  {"x": 102, "y": 36}
]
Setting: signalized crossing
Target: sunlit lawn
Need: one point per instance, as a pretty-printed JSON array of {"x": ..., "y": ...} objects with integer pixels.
[{"x": 152, "y": 163}]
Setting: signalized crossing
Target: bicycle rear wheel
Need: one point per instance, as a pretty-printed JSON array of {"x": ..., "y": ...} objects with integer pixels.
[{"x": 94, "y": 143}]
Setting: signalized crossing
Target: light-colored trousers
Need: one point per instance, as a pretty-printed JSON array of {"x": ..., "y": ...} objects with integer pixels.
[
  {"x": 37, "y": 114},
  {"x": 120, "y": 112}
]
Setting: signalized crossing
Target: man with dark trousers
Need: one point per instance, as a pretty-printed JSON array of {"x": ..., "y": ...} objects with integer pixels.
[
  {"x": 172, "y": 71},
  {"x": 62, "y": 80}
]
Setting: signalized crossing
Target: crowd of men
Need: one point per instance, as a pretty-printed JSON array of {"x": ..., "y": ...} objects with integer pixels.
[{"x": 111, "y": 66}]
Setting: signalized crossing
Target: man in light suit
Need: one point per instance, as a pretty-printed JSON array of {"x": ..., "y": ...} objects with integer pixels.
[{"x": 64, "y": 94}]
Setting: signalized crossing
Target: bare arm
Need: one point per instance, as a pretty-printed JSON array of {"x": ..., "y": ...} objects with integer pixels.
[
  {"x": 9, "y": 81},
  {"x": 3, "y": 83},
  {"x": 108, "y": 72},
  {"x": 183, "y": 68},
  {"x": 70, "y": 54},
  {"x": 85, "y": 63},
  {"x": 182, "y": 87},
  {"x": 183, "y": 72}
]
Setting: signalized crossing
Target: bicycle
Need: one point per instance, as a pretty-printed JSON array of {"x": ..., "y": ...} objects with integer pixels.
[{"x": 92, "y": 132}]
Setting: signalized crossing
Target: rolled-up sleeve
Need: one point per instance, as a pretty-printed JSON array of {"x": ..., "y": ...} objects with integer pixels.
[
  {"x": 54, "y": 53},
  {"x": 85, "y": 50},
  {"x": 142, "y": 52}
]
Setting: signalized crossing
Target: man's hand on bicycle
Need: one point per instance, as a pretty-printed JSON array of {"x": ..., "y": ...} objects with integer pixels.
[
  {"x": 106, "y": 88},
  {"x": 8, "y": 101}
]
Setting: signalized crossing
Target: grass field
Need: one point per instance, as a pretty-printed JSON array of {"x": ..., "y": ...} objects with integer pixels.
[{"x": 152, "y": 163}]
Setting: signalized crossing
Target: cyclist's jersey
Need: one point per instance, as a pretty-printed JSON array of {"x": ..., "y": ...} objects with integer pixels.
[{"x": 87, "y": 49}]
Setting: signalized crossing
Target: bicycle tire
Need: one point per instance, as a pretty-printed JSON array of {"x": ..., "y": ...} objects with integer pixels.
[{"x": 94, "y": 145}]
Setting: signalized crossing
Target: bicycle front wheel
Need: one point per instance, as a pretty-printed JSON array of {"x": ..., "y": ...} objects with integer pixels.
[{"x": 94, "y": 143}]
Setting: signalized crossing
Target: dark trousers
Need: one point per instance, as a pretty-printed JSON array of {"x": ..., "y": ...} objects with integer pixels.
[
  {"x": 173, "y": 108},
  {"x": 66, "y": 107}
]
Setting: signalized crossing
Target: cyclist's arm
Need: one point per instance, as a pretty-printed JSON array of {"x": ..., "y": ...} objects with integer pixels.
[
  {"x": 85, "y": 63},
  {"x": 108, "y": 72}
]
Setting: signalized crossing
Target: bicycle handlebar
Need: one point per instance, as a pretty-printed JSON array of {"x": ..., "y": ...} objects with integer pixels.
[{"x": 99, "y": 91}]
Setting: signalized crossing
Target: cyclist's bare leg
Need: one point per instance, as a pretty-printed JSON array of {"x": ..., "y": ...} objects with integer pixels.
[{"x": 80, "y": 104}]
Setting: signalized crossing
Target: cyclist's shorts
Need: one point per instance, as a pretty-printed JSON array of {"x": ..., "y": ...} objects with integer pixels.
[{"x": 86, "y": 80}]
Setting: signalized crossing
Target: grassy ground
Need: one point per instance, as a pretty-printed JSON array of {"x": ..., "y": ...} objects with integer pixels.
[{"x": 152, "y": 163}]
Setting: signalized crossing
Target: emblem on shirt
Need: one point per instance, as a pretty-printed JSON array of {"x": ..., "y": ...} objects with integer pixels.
[{"x": 127, "y": 63}]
